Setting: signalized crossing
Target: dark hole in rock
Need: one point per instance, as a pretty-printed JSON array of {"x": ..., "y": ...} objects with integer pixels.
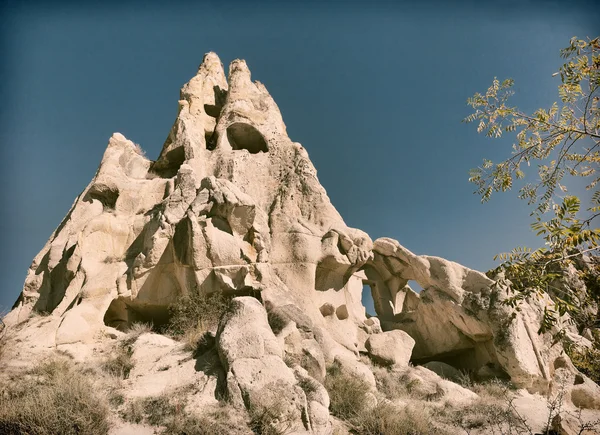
[
  {"x": 122, "y": 313},
  {"x": 169, "y": 164},
  {"x": 560, "y": 363},
  {"x": 105, "y": 194},
  {"x": 245, "y": 137},
  {"x": 578, "y": 379},
  {"x": 221, "y": 224},
  {"x": 210, "y": 140},
  {"x": 461, "y": 359},
  {"x": 212, "y": 110}
]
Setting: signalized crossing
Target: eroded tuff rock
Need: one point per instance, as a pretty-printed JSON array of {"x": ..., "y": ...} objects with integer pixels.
[{"x": 232, "y": 205}]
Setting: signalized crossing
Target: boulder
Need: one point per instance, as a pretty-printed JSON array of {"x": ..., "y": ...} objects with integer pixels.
[
  {"x": 391, "y": 347},
  {"x": 257, "y": 377}
]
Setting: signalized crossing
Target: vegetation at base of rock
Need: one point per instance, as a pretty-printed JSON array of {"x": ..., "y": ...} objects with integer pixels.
[
  {"x": 270, "y": 419},
  {"x": 587, "y": 361},
  {"x": 120, "y": 363},
  {"x": 561, "y": 141},
  {"x": 53, "y": 398},
  {"x": 347, "y": 394},
  {"x": 195, "y": 314},
  {"x": 391, "y": 420},
  {"x": 216, "y": 423},
  {"x": 169, "y": 412}
]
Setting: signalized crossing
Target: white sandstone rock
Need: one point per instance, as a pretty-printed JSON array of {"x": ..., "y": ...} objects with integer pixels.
[{"x": 391, "y": 347}]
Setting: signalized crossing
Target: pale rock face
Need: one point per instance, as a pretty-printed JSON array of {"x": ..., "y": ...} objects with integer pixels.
[
  {"x": 233, "y": 205},
  {"x": 391, "y": 347},
  {"x": 256, "y": 373}
]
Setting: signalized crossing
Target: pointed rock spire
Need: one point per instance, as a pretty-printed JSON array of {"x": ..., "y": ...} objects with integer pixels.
[
  {"x": 250, "y": 118},
  {"x": 200, "y": 104}
]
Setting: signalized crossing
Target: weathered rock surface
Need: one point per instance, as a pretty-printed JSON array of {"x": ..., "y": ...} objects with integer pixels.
[
  {"x": 232, "y": 205},
  {"x": 391, "y": 347}
]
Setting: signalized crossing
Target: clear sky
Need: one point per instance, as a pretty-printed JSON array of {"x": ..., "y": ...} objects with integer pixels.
[{"x": 375, "y": 91}]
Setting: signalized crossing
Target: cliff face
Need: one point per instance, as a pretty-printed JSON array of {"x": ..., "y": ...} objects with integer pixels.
[{"x": 232, "y": 205}]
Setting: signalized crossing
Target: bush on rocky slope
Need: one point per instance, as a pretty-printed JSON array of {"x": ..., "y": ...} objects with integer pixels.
[
  {"x": 195, "y": 314},
  {"x": 169, "y": 411},
  {"x": 587, "y": 362},
  {"x": 53, "y": 398}
]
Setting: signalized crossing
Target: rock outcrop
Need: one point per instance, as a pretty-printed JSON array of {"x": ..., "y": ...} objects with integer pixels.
[{"x": 232, "y": 205}]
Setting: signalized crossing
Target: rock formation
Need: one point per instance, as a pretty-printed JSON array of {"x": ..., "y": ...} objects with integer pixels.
[{"x": 232, "y": 205}]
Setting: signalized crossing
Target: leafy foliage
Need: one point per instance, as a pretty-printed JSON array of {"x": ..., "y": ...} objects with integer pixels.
[
  {"x": 564, "y": 141},
  {"x": 587, "y": 362}
]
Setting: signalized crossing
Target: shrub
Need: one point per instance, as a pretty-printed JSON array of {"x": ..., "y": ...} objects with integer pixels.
[
  {"x": 222, "y": 420},
  {"x": 484, "y": 414},
  {"x": 193, "y": 425},
  {"x": 168, "y": 410},
  {"x": 494, "y": 410},
  {"x": 156, "y": 410},
  {"x": 392, "y": 385},
  {"x": 120, "y": 363},
  {"x": 347, "y": 394},
  {"x": 587, "y": 362},
  {"x": 195, "y": 314},
  {"x": 270, "y": 419},
  {"x": 276, "y": 321},
  {"x": 391, "y": 420},
  {"x": 53, "y": 398}
]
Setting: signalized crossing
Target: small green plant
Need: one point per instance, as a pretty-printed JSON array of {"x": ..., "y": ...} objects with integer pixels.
[{"x": 53, "y": 398}]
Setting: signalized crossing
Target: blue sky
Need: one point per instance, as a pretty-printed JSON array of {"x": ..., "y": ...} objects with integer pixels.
[{"x": 375, "y": 91}]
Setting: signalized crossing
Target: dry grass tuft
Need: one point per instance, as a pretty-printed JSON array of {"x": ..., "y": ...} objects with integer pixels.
[
  {"x": 494, "y": 410},
  {"x": 168, "y": 411},
  {"x": 388, "y": 419},
  {"x": 120, "y": 363},
  {"x": 276, "y": 321},
  {"x": 53, "y": 398},
  {"x": 347, "y": 394},
  {"x": 134, "y": 332}
]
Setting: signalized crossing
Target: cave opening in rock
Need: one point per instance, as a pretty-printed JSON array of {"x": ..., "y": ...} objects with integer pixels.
[
  {"x": 122, "y": 313},
  {"x": 107, "y": 195},
  {"x": 243, "y": 136},
  {"x": 169, "y": 164},
  {"x": 461, "y": 359}
]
